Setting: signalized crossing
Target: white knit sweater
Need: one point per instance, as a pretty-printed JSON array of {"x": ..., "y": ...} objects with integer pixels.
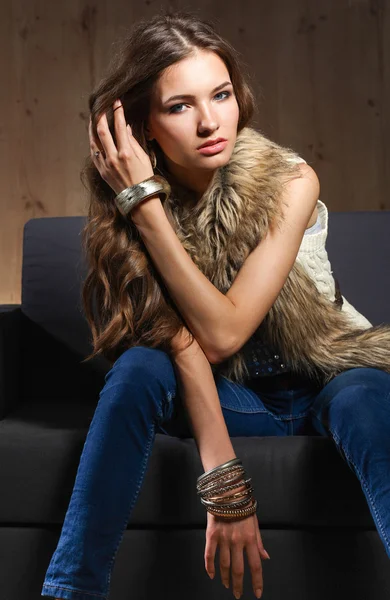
[{"x": 312, "y": 255}]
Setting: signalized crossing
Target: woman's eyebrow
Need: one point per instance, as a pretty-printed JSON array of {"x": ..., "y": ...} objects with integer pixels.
[{"x": 190, "y": 96}]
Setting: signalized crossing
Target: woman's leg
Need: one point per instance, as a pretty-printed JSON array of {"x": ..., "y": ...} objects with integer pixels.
[
  {"x": 267, "y": 406},
  {"x": 137, "y": 395},
  {"x": 354, "y": 410},
  {"x": 137, "y": 400}
]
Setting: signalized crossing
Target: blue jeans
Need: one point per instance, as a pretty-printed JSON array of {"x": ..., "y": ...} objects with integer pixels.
[{"x": 139, "y": 400}]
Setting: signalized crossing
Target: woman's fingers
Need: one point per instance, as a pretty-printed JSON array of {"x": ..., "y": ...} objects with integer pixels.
[
  {"x": 105, "y": 136},
  {"x": 224, "y": 563},
  {"x": 209, "y": 555},
  {"x": 237, "y": 568},
  {"x": 260, "y": 544},
  {"x": 121, "y": 133},
  {"x": 94, "y": 146},
  {"x": 256, "y": 568},
  {"x": 258, "y": 537}
]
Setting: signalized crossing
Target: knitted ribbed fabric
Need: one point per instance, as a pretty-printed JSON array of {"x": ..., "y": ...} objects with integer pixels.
[{"x": 261, "y": 360}]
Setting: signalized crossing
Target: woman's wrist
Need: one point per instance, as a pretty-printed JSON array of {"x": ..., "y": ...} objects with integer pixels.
[
  {"x": 145, "y": 212},
  {"x": 216, "y": 456}
]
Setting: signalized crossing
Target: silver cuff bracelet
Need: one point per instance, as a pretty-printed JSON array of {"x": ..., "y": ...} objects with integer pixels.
[{"x": 131, "y": 196}]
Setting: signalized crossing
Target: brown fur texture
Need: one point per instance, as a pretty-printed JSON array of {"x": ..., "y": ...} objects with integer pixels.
[{"x": 313, "y": 334}]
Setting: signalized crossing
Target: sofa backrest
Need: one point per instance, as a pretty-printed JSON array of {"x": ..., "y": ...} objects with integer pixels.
[
  {"x": 54, "y": 268},
  {"x": 55, "y": 332},
  {"x": 358, "y": 246}
]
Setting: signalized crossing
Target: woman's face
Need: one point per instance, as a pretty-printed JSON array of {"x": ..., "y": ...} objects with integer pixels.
[{"x": 181, "y": 125}]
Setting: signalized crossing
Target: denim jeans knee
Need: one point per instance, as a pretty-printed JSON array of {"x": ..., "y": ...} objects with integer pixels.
[
  {"x": 150, "y": 369},
  {"x": 362, "y": 383}
]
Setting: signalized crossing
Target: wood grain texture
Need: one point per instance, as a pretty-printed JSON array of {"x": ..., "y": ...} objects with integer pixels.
[{"x": 320, "y": 70}]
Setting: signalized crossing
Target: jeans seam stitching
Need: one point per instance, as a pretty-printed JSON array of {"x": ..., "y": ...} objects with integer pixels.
[
  {"x": 239, "y": 409},
  {"x": 60, "y": 587},
  {"x": 233, "y": 390},
  {"x": 289, "y": 417},
  {"x": 143, "y": 466},
  {"x": 247, "y": 412},
  {"x": 300, "y": 415}
]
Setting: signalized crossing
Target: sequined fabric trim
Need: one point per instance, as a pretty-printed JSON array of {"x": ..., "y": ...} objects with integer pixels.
[{"x": 262, "y": 361}]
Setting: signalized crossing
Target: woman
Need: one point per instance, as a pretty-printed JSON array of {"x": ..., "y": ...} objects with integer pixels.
[{"x": 206, "y": 303}]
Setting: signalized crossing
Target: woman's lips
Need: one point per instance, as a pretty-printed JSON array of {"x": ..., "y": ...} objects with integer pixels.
[{"x": 214, "y": 149}]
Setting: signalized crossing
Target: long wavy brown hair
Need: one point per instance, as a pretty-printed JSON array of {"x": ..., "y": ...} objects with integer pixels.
[{"x": 125, "y": 300}]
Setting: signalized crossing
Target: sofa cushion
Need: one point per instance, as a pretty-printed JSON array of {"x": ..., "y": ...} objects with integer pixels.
[{"x": 299, "y": 481}]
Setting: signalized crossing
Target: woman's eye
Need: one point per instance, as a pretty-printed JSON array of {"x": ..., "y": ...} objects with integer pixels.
[{"x": 171, "y": 110}]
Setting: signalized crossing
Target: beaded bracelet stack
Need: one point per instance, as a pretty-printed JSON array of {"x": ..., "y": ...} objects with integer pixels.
[{"x": 225, "y": 477}]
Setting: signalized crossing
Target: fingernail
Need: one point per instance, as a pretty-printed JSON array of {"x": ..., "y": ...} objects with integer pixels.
[
  {"x": 237, "y": 595},
  {"x": 266, "y": 553},
  {"x": 211, "y": 575},
  {"x": 258, "y": 593}
]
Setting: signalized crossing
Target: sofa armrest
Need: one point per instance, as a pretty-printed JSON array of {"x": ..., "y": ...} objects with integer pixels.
[{"x": 10, "y": 356}]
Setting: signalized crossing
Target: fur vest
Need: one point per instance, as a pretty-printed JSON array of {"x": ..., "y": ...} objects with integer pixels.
[{"x": 314, "y": 336}]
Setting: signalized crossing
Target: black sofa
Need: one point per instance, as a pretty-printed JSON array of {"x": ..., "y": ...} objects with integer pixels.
[{"x": 312, "y": 513}]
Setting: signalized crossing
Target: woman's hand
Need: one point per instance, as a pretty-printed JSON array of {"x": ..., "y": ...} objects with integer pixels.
[
  {"x": 232, "y": 538},
  {"x": 121, "y": 166}
]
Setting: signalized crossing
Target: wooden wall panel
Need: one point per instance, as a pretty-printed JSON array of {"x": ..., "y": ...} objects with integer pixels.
[{"x": 321, "y": 72}]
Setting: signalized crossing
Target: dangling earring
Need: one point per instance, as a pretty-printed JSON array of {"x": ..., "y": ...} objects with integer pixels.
[{"x": 152, "y": 154}]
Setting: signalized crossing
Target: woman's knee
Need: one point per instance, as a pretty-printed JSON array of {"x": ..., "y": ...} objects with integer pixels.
[
  {"x": 140, "y": 361},
  {"x": 354, "y": 397},
  {"x": 369, "y": 377},
  {"x": 142, "y": 368}
]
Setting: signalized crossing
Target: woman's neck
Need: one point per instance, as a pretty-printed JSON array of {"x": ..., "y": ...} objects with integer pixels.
[{"x": 196, "y": 183}]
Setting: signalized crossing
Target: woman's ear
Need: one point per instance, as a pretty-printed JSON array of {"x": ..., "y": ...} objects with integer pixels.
[{"x": 148, "y": 135}]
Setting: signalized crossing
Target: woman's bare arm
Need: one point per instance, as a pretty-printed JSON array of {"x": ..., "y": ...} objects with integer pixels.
[
  {"x": 197, "y": 388},
  {"x": 196, "y": 383}
]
